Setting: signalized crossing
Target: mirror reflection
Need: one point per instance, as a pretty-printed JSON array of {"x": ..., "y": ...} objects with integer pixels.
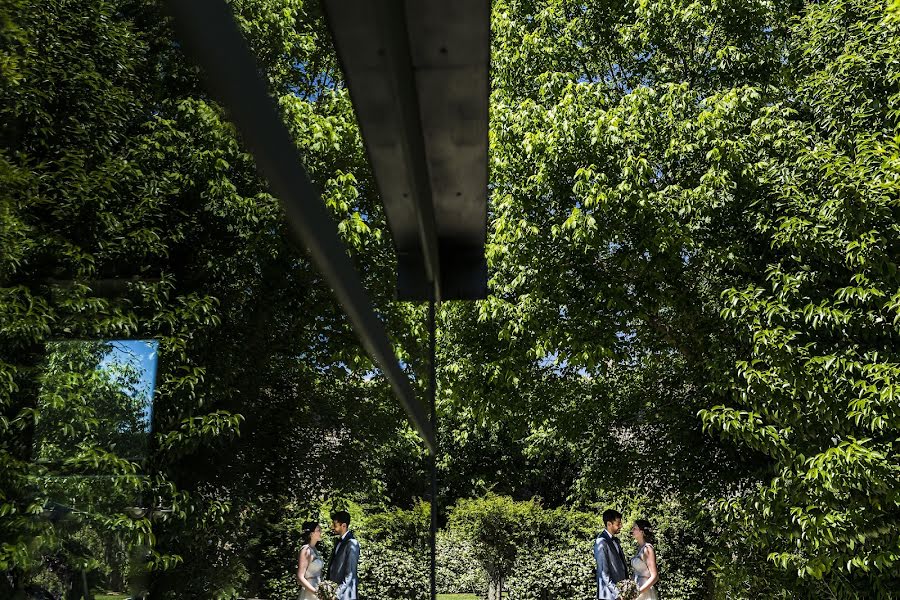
[
  {"x": 92, "y": 434},
  {"x": 96, "y": 403}
]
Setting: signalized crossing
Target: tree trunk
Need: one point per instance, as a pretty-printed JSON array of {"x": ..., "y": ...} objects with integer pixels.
[{"x": 495, "y": 589}]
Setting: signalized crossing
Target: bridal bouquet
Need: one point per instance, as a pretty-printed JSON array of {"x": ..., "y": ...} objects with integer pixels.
[
  {"x": 327, "y": 590},
  {"x": 628, "y": 589}
]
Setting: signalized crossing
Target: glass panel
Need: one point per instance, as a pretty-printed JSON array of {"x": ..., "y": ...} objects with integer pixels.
[
  {"x": 96, "y": 403},
  {"x": 95, "y": 413}
]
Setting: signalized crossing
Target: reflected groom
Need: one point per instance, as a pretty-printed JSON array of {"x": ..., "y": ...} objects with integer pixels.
[
  {"x": 610, "y": 559},
  {"x": 342, "y": 569}
]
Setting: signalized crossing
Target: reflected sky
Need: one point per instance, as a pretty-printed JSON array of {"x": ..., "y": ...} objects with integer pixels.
[
  {"x": 143, "y": 355},
  {"x": 96, "y": 394}
]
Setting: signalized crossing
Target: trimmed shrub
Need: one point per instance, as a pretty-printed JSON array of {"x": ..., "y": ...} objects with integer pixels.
[
  {"x": 506, "y": 534},
  {"x": 498, "y": 527},
  {"x": 399, "y": 528},
  {"x": 554, "y": 575},
  {"x": 392, "y": 574},
  {"x": 458, "y": 569}
]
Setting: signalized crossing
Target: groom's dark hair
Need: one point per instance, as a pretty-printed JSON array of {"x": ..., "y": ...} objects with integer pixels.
[
  {"x": 341, "y": 516},
  {"x": 610, "y": 515}
]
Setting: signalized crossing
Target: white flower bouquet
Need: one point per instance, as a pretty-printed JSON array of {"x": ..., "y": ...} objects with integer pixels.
[
  {"x": 327, "y": 590},
  {"x": 628, "y": 589}
]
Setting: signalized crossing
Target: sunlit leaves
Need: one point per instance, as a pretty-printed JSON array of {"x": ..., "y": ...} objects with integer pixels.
[
  {"x": 819, "y": 332},
  {"x": 715, "y": 183}
]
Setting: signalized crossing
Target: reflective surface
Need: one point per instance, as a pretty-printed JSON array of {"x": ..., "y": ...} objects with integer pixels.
[
  {"x": 91, "y": 441},
  {"x": 96, "y": 404}
]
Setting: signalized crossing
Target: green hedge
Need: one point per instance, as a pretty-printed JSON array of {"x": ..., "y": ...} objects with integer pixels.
[
  {"x": 542, "y": 550},
  {"x": 561, "y": 574},
  {"x": 391, "y": 573},
  {"x": 458, "y": 571}
]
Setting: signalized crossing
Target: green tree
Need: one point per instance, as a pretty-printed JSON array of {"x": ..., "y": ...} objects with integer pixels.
[
  {"x": 498, "y": 528},
  {"x": 130, "y": 209},
  {"x": 693, "y": 212},
  {"x": 817, "y": 371}
]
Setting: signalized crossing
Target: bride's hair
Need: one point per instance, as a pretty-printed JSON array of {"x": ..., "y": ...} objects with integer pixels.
[
  {"x": 647, "y": 529},
  {"x": 307, "y": 531}
]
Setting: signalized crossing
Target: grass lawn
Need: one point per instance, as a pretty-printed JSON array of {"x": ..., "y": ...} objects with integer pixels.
[{"x": 108, "y": 596}]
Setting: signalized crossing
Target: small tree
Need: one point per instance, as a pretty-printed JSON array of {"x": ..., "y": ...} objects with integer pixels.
[{"x": 498, "y": 527}]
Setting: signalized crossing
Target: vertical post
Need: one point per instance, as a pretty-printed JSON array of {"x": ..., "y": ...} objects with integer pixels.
[{"x": 432, "y": 388}]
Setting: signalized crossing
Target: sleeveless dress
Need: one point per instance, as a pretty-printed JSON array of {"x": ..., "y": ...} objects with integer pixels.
[
  {"x": 642, "y": 574},
  {"x": 313, "y": 574}
]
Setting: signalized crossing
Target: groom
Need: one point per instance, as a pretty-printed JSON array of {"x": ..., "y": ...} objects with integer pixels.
[
  {"x": 342, "y": 569},
  {"x": 609, "y": 556}
]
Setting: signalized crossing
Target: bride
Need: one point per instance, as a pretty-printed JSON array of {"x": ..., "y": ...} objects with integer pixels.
[
  {"x": 644, "y": 562},
  {"x": 310, "y": 563}
]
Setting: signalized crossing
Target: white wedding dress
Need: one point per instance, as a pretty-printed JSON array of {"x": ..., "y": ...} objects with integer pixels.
[
  {"x": 313, "y": 574},
  {"x": 642, "y": 574}
]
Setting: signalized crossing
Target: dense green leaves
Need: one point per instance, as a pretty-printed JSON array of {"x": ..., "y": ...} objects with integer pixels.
[
  {"x": 695, "y": 213},
  {"x": 130, "y": 209},
  {"x": 816, "y": 379},
  {"x": 693, "y": 249}
]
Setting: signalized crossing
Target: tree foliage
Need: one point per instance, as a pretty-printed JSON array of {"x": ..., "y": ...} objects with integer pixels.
[
  {"x": 694, "y": 213},
  {"x": 692, "y": 247},
  {"x": 817, "y": 369},
  {"x": 130, "y": 209}
]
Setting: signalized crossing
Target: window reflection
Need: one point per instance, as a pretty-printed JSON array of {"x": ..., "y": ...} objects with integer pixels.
[
  {"x": 96, "y": 403},
  {"x": 91, "y": 442}
]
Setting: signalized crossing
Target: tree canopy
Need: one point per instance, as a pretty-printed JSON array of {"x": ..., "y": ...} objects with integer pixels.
[{"x": 694, "y": 301}]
